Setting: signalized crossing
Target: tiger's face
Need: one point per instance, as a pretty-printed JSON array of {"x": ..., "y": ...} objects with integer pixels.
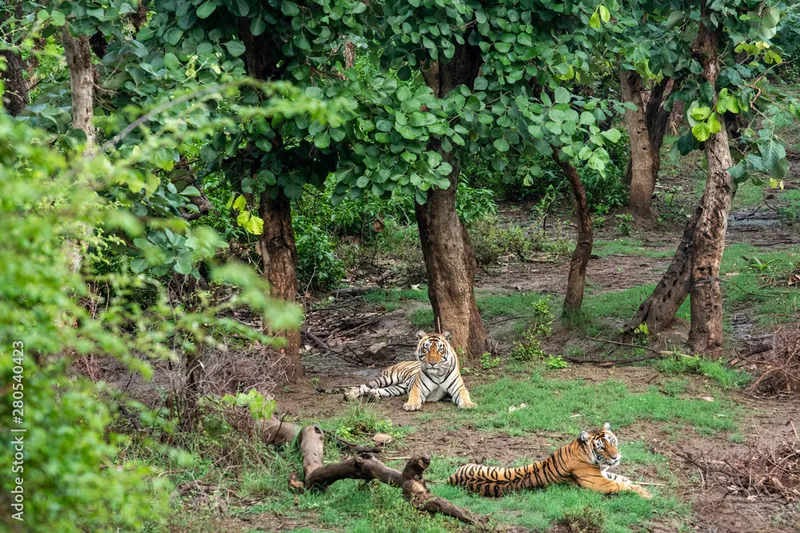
[
  {"x": 601, "y": 446},
  {"x": 433, "y": 350}
]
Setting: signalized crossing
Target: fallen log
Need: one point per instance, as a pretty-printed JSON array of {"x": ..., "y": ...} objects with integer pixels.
[
  {"x": 277, "y": 432},
  {"x": 365, "y": 466}
]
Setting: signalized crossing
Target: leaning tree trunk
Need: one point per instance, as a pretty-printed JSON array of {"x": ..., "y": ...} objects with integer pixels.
[
  {"x": 659, "y": 309},
  {"x": 705, "y": 332},
  {"x": 642, "y": 160},
  {"x": 583, "y": 248},
  {"x": 81, "y": 76},
  {"x": 446, "y": 246},
  {"x": 279, "y": 255}
]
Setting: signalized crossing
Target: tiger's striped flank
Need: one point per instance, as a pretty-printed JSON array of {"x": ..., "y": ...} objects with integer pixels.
[{"x": 583, "y": 461}]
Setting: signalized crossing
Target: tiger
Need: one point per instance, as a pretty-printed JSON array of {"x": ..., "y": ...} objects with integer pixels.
[
  {"x": 433, "y": 375},
  {"x": 583, "y": 461}
]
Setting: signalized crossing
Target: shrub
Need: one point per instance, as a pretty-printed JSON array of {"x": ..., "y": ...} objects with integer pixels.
[{"x": 317, "y": 264}]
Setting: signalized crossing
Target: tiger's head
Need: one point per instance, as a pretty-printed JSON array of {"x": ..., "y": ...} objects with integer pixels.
[
  {"x": 600, "y": 446},
  {"x": 434, "y": 350}
]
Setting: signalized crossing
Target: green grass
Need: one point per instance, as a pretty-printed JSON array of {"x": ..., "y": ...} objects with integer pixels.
[
  {"x": 717, "y": 371},
  {"x": 392, "y": 299},
  {"x": 574, "y": 406},
  {"x": 627, "y": 246},
  {"x": 748, "y": 195},
  {"x": 491, "y": 306}
]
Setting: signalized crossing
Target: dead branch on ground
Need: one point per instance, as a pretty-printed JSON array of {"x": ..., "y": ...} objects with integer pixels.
[{"x": 365, "y": 466}]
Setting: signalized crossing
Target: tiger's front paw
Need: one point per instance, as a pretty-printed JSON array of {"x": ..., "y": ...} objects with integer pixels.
[
  {"x": 642, "y": 492},
  {"x": 351, "y": 394},
  {"x": 468, "y": 405},
  {"x": 409, "y": 406},
  {"x": 374, "y": 394}
]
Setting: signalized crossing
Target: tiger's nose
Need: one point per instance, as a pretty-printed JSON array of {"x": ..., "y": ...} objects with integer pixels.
[{"x": 617, "y": 457}]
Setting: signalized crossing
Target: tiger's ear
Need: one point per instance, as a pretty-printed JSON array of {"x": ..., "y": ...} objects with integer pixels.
[
  {"x": 607, "y": 425},
  {"x": 584, "y": 436},
  {"x": 420, "y": 334},
  {"x": 447, "y": 335}
]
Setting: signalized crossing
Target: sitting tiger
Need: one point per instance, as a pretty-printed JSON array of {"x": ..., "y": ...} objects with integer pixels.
[
  {"x": 583, "y": 461},
  {"x": 434, "y": 375}
]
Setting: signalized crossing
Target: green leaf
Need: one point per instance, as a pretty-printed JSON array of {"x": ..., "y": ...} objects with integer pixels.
[
  {"x": 605, "y": 16},
  {"x": 480, "y": 84},
  {"x": 701, "y": 131},
  {"x": 240, "y": 204},
  {"x": 258, "y": 26},
  {"x": 139, "y": 265},
  {"x": 612, "y": 134},
  {"x": 524, "y": 39},
  {"x": 779, "y": 171},
  {"x": 501, "y": 144},
  {"x": 700, "y": 113},
  {"x": 171, "y": 61},
  {"x": 205, "y": 10},
  {"x": 235, "y": 48},
  {"x": 254, "y": 225},
  {"x": 183, "y": 265},
  {"x": 587, "y": 119},
  {"x": 191, "y": 190},
  {"x": 562, "y": 95},
  {"x": 173, "y": 36},
  {"x": 383, "y": 125},
  {"x": 675, "y": 18},
  {"x": 58, "y": 18},
  {"x": 594, "y": 21},
  {"x": 289, "y": 9},
  {"x": 322, "y": 140},
  {"x": 771, "y": 153},
  {"x": 713, "y": 123}
]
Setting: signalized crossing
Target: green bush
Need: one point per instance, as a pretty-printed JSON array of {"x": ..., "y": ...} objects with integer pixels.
[{"x": 317, "y": 264}]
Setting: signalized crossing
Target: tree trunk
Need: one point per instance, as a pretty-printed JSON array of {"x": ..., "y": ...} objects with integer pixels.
[
  {"x": 583, "y": 248},
  {"x": 705, "y": 333},
  {"x": 659, "y": 309},
  {"x": 451, "y": 267},
  {"x": 642, "y": 162},
  {"x": 279, "y": 255},
  {"x": 446, "y": 246},
  {"x": 81, "y": 76},
  {"x": 15, "y": 97}
]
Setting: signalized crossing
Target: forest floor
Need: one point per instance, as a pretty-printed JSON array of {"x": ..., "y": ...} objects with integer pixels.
[{"x": 677, "y": 419}]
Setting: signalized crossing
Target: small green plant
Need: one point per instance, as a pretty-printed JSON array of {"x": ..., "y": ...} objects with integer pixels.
[
  {"x": 530, "y": 347},
  {"x": 488, "y": 361},
  {"x": 314, "y": 382},
  {"x": 555, "y": 362},
  {"x": 758, "y": 265},
  {"x": 718, "y": 371},
  {"x": 361, "y": 421},
  {"x": 317, "y": 264},
  {"x": 255, "y": 402},
  {"x": 625, "y": 224}
]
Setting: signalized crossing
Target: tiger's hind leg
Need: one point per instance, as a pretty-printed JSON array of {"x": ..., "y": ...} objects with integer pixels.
[{"x": 384, "y": 386}]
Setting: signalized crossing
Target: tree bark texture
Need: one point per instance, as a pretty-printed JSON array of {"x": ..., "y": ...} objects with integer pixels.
[
  {"x": 659, "y": 309},
  {"x": 81, "y": 77},
  {"x": 705, "y": 332},
  {"x": 446, "y": 246},
  {"x": 583, "y": 248},
  {"x": 367, "y": 467},
  {"x": 277, "y": 244},
  {"x": 279, "y": 256},
  {"x": 642, "y": 161},
  {"x": 15, "y": 97}
]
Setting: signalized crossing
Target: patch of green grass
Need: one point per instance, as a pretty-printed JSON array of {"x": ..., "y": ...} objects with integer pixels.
[
  {"x": 748, "y": 195},
  {"x": 726, "y": 377},
  {"x": 360, "y": 421},
  {"x": 392, "y": 299},
  {"x": 491, "y": 306},
  {"x": 574, "y": 406},
  {"x": 631, "y": 247}
]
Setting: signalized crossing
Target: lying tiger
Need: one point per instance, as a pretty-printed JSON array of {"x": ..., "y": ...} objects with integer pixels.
[
  {"x": 583, "y": 461},
  {"x": 434, "y": 375}
]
